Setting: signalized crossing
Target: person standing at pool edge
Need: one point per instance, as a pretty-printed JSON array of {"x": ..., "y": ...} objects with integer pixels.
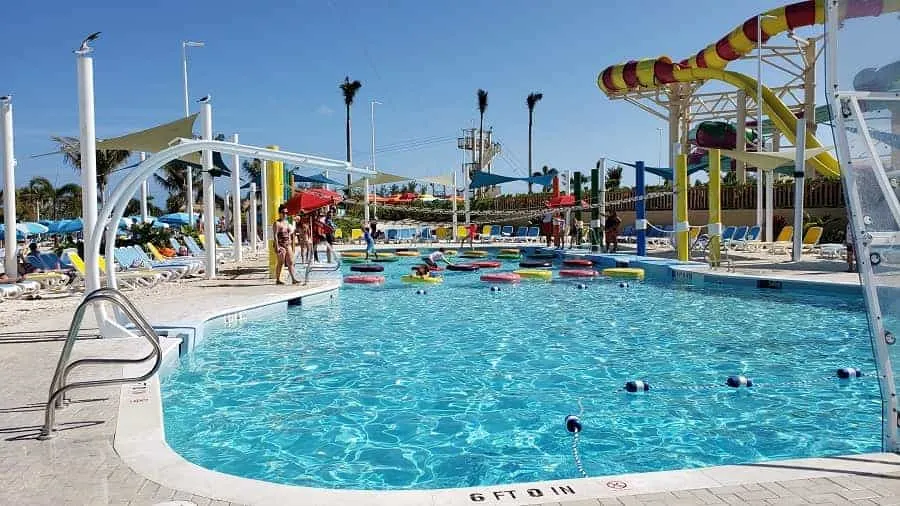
[
  {"x": 470, "y": 236},
  {"x": 370, "y": 244},
  {"x": 611, "y": 231},
  {"x": 284, "y": 245}
]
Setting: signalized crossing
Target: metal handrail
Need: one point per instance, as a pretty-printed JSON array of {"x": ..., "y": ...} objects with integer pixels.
[
  {"x": 58, "y": 386},
  {"x": 310, "y": 267}
]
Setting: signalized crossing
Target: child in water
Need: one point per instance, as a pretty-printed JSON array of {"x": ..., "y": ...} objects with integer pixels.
[
  {"x": 420, "y": 271},
  {"x": 370, "y": 244}
]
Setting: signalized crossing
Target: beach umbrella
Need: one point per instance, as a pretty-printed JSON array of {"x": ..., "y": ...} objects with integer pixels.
[
  {"x": 71, "y": 226},
  {"x": 307, "y": 201},
  {"x": 159, "y": 224},
  {"x": 137, "y": 219},
  {"x": 20, "y": 236},
  {"x": 30, "y": 228},
  {"x": 175, "y": 219}
]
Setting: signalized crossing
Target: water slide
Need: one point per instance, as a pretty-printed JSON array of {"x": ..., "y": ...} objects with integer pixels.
[{"x": 711, "y": 61}]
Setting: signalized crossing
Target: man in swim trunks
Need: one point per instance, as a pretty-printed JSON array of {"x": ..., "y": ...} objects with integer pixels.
[
  {"x": 472, "y": 230},
  {"x": 283, "y": 231},
  {"x": 433, "y": 258}
]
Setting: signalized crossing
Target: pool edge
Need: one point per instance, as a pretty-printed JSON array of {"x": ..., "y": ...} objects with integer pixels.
[{"x": 140, "y": 442}]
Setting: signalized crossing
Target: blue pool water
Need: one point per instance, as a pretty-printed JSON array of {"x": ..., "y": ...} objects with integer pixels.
[{"x": 386, "y": 389}]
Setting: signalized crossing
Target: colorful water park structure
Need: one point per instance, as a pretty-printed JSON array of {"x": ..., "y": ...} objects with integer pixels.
[{"x": 673, "y": 92}]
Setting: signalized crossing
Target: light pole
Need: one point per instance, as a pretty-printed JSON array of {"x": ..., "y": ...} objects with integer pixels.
[
  {"x": 375, "y": 206},
  {"x": 760, "y": 145},
  {"x": 187, "y": 111},
  {"x": 659, "y": 131}
]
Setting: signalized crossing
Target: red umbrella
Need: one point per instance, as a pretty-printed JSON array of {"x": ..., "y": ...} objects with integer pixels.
[
  {"x": 332, "y": 196},
  {"x": 306, "y": 201}
]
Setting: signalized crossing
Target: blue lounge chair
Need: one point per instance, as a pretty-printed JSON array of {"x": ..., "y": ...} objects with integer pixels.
[
  {"x": 740, "y": 233},
  {"x": 534, "y": 234},
  {"x": 751, "y": 241},
  {"x": 506, "y": 232}
]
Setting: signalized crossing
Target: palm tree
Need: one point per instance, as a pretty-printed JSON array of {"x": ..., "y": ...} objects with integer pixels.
[
  {"x": 531, "y": 101},
  {"x": 614, "y": 177},
  {"x": 41, "y": 195},
  {"x": 482, "y": 106},
  {"x": 107, "y": 160},
  {"x": 349, "y": 89},
  {"x": 68, "y": 201}
]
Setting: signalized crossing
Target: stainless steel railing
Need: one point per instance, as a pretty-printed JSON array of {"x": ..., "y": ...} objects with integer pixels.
[
  {"x": 59, "y": 385},
  {"x": 310, "y": 266}
]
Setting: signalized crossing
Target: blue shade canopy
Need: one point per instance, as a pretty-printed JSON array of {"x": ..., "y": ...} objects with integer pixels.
[
  {"x": 665, "y": 172},
  {"x": 20, "y": 236},
  {"x": 481, "y": 179},
  {"x": 71, "y": 226},
  {"x": 30, "y": 227},
  {"x": 175, "y": 219},
  {"x": 317, "y": 179}
]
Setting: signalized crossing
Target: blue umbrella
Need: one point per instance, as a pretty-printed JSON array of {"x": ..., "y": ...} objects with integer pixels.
[
  {"x": 175, "y": 219},
  {"x": 137, "y": 218},
  {"x": 159, "y": 224},
  {"x": 71, "y": 226},
  {"x": 20, "y": 236},
  {"x": 30, "y": 227}
]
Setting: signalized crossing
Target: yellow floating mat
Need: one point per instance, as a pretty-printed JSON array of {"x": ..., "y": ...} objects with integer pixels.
[
  {"x": 513, "y": 251},
  {"x": 353, "y": 254},
  {"x": 535, "y": 273},
  {"x": 409, "y": 278},
  {"x": 450, "y": 252},
  {"x": 474, "y": 253},
  {"x": 407, "y": 253},
  {"x": 624, "y": 272},
  {"x": 386, "y": 255}
]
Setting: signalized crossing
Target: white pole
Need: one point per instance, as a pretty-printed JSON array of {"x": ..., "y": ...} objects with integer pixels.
[
  {"x": 189, "y": 176},
  {"x": 209, "y": 195},
  {"x": 365, "y": 202},
  {"x": 602, "y": 202},
  {"x": 455, "y": 220},
  {"x": 374, "y": 201},
  {"x": 251, "y": 226},
  {"x": 9, "y": 188},
  {"x": 799, "y": 168},
  {"x": 145, "y": 193},
  {"x": 236, "y": 203},
  {"x": 770, "y": 203},
  {"x": 88, "y": 139},
  {"x": 264, "y": 197},
  {"x": 759, "y": 128}
]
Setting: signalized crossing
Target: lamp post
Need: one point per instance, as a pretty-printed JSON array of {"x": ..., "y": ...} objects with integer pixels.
[
  {"x": 760, "y": 145},
  {"x": 375, "y": 204},
  {"x": 8, "y": 159},
  {"x": 187, "y": 111}
]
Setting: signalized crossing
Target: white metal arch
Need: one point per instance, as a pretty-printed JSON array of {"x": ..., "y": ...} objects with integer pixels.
[{"x": 114, "y": 208}]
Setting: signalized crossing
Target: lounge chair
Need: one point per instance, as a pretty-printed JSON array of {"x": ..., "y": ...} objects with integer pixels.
[
  {"x": 534, "y": 234},
  {"x": 521, "y": 234},
  {"x": 339, "y": 235},
  {"x": 197, "y": 265},
  {"x": 506, "y": 233},
  {"x": 811, "y": 240},
  {"x": 131, "y": 280},
  {"x": 487, "y": 233},
  {"x": 356, "y": 235},
  {"x": 129, "y": 259},
  {"x": 740, "y": 234},
  {"x": 751, "y": 241},
  {"x": 783, "y": 241}
]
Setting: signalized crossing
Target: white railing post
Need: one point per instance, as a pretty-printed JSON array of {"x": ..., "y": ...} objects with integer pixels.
[
  {"x": 9, "y": 187},
  {"x": 88, "y": 145},
  {"x": 236, "y": 203},
  {"x": 209, "y": 195}
]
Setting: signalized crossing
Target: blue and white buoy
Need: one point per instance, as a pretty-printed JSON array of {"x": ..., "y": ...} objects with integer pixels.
[
  {"x": 739, "y": 381},
  {"x": 573, "y": 424},
  {"x": 421, "y": 292},
  {"x": 623, "y": 285},
  {"x": 495, "y": 288},
  {"x": 581, "y": 286},
  {"x": 637, "y": 386},
  {"x": 849, "y": 372}
]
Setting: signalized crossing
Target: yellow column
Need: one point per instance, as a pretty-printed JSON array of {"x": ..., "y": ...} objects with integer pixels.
[
  {"x": 715, "y": 206},
  {"x": 275, "y": 192},
  {"x": 682, "y": 230}
]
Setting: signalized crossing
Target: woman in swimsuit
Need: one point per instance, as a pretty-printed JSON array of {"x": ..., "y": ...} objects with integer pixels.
[{"x": 284, "y": 245}]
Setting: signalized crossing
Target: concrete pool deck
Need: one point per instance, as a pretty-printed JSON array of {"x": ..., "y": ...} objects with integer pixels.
[{"x": 82, "y": 466}]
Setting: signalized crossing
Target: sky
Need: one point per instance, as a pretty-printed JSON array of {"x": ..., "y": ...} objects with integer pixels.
[{"x": 273, "y": 70}]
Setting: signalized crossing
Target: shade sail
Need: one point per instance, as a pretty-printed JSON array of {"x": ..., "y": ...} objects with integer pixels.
[
  {"x": 154, "y": 139},
  {"x": 664, "y": 172},
  {"x": 317, "y": 179},
  {"x": 380, "y": 178},
  {"x": 481, "y": 179},
  {"x": 441, "y": 180},
  {"x": 768, "y": 160}
]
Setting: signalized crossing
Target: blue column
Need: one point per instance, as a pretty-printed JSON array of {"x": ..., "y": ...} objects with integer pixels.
[{"x": 640, "y": 209}]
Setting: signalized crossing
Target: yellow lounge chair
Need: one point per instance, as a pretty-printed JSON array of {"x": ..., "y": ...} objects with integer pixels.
[
  {"x": 783, "y": 241},
  {"x": 356, "y": 235},
  {"x": 130, "y": 279},
  {"x": 811, "y": 239}
]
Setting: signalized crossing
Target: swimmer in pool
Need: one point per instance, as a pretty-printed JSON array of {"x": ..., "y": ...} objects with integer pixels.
[
  {"x": 420, "y": 271},
  {"x": 370, "y": 244},
  {"x": 433, "y": 258}
]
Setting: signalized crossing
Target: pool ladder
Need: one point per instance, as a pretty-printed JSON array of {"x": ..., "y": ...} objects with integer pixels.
[
  {"x": 59, "y": 386},
  {"x": 310, "y": 266}
]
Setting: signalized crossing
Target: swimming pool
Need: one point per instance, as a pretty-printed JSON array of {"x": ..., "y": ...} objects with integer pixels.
[{"x": 388, "y": 389}]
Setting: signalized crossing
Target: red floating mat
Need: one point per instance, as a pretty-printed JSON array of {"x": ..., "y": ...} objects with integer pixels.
[
  {"x": 581, "y": 262},
  {"x": 364, "y": 279},
  {"x": 501, "y": 277},
  {"x": 577, "y": 273},
  {"x": 487, "y": 264}
]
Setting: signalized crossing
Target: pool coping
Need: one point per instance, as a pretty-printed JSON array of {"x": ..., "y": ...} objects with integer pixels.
[{"x": 141, "y": 444}]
